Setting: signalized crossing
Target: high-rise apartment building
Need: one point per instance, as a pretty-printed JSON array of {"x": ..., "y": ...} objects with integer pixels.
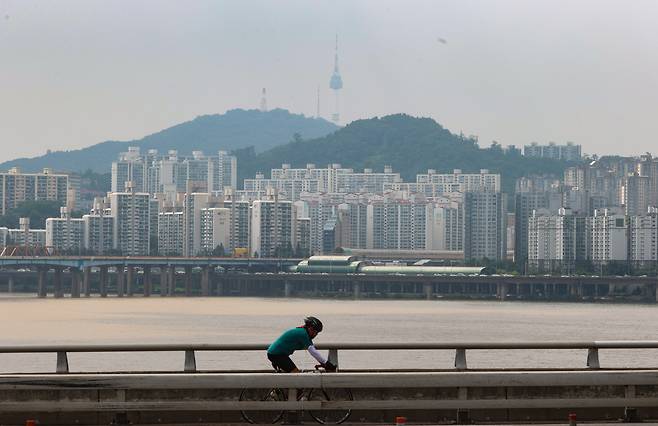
[
  {"x": 333, "y": 179},
  {"x": 433, "y": 184},
  {"x": 568, "y": 152},
  {"x": 99, "y": 232},
  {"x": 271, "y": 226},
  {"x": 636, "y": 195},
  {"x": 525, "y": 204},
  {"x": 65, "y": 234},
  {"x": 396, "y": 224},
  {"x": 215, "y": 229},
  {"x": 170, "y": 233},
  {"x": 130, "y": 168},
  {"x": 609, "y": 236},
  {"x": 240, "y": 237},
  {"x": 222, "y": 172},
  {"x": 643, "y": 240},
  {"x": 17, "y": 187},
  {"x": 445, "y": 228},
  {"x": 556, "y": 241},
  {"x": 132, "y": 221},
  {"x": 485, "y": 226}
]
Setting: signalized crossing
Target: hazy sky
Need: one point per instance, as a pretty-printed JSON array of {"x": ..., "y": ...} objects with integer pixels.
[{"x": 74, "y": 73}]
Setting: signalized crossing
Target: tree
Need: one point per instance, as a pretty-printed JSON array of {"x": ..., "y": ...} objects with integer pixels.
[
  {"x": 219, "y": 251},
  {"x": 36, "y": 211}
]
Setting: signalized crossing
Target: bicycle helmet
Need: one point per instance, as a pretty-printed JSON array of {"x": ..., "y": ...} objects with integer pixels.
[{"x": 313, "y": 322}]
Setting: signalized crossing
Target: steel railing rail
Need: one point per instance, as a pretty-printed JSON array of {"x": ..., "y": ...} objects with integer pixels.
[
  {"x": 460, "y": 349},
  {"x": 567, "y": 391}
]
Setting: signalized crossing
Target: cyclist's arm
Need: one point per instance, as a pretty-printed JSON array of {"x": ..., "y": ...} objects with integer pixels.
[{"x": 316, "y": 354}]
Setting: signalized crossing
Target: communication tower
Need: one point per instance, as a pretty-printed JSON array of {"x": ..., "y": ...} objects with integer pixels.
[
  {"x": 336, "y": 84},
  {"x": 263, "y": 101}
]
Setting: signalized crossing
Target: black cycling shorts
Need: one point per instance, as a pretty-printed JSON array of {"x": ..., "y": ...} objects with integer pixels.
[{"x": 281, "y": 362}]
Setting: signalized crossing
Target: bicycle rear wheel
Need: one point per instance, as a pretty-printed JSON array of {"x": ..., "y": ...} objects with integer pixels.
[
  {"x": 262, "y": 417},
  {"x": 330, "y": 417}
]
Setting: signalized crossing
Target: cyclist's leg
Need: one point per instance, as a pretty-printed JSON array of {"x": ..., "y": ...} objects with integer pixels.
[{"x": 283, "y": 362}]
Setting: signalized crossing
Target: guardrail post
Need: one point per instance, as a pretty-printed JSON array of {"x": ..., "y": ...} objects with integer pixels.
[
  {"x": 62, "y": 363},
  {"x": 593, "y": 358},
  {"x": 333, "y": 357},
  {"x": 460, "y": 359},
  {"x": 190, "y": 361}
]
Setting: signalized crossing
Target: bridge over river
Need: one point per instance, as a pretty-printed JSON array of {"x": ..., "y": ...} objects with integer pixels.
[
  {"x": 172, "y": 276},
  {"x": 429, "y": 396}
]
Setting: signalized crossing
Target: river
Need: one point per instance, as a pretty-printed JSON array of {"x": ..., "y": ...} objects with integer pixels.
[{"x": 25, "y": 319}]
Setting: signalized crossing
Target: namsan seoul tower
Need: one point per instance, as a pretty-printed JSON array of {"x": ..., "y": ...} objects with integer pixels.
[{"x": 335, "y": 84}]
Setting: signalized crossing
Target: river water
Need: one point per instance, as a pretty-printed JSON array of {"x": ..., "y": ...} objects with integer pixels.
[{"x": 25, "y": 319}]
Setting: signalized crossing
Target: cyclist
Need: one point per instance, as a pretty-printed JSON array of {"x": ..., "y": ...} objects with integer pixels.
[{"x": 297, "y": 339}]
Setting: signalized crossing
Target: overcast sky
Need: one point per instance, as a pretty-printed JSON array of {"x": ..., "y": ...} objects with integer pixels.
[{"x": 75, "y": 73}]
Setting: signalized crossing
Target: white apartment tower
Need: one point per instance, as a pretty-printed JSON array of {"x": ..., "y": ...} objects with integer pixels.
[
  {"x": 131, "y": 213},
  {"x": 485, "y": 226},
  {"x": 215, "y": 229},
  {"x": 170, "y": 233},
  {"x": 609, "y": 239},
  {"x": 222, "y": 172},
  {"x": 17, "y": 187},
  {"x": 643, "y": 240},
  {"x": 271, "y": 226},
  {"x": 130, "y": 167},
  {"x": 65, "y": 234}
]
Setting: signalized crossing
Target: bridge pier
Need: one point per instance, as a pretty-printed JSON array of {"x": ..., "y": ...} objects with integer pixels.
[
  {"x": 171, "y": 280},
  {"x": 130, "y": 280},
  {"x": 59, "y": 292},
  {"x": 220, "y": 286},
  {"x": 103, "y": 281},
  {"x": 121, "y": 280},
  {"x": 205, "y": 281},
  {"x": 188, "y": 281},
  {"x": 427, "y": 288},
  {"x": 163, "y": 280},
  {"x": 86, "y": 281},
  {"x": 75, "y": 282},
  {"x": 501, "y": 290},
  {"x": 147, "y": 281}
]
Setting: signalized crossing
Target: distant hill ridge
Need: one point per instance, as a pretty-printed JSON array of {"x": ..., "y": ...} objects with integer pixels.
[
  {"x": 265, "y": 140},
  {"x": 235, "y": 129}
]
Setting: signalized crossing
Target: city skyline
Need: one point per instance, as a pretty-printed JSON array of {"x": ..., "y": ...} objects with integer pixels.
[{"x": 509, "y": 72}]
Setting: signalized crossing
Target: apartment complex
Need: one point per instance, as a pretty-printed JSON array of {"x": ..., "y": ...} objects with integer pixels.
[
  {"x": 17, "y": 187},
  {"x": 568, "y": 152}
]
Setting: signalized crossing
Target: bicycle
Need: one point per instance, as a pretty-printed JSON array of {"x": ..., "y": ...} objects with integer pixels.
[{"x": 325, "y": 417}]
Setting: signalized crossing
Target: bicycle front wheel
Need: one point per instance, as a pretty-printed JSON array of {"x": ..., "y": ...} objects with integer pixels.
[
  {"x": 330, "y": 417},
  {"x": 262, "y": 417}
]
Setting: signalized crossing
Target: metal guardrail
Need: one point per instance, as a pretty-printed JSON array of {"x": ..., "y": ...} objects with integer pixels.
[{"x": 460, "y": 349}]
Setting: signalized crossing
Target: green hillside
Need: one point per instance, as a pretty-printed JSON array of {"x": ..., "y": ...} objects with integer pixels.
[{"x": 410, "y": 145}]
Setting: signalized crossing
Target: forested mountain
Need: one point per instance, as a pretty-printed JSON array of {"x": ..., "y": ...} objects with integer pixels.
[
  {"x": 208, "y": 133},
  {"x": 410, "y": 145}
]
